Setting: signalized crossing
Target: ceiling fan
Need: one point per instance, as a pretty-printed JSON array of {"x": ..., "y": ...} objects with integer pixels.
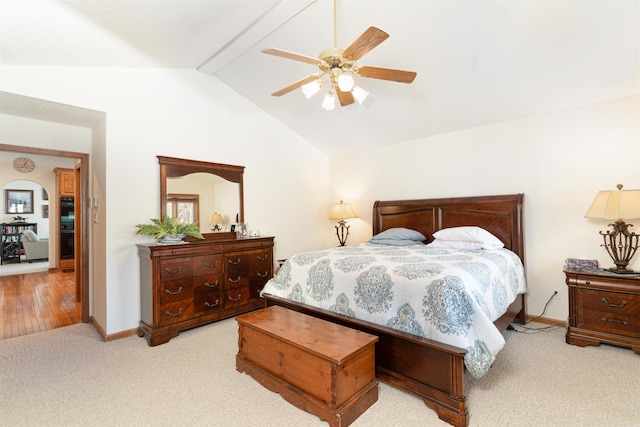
[{"x": 338, "y": 66}]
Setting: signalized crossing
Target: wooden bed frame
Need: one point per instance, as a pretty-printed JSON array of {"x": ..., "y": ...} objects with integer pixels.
[{"x": 432, "y": 370}]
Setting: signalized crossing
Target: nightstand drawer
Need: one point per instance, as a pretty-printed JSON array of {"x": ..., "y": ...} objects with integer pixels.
[
  {"x": 615, "y": 303},
  {"x": 628, "y": 326}
]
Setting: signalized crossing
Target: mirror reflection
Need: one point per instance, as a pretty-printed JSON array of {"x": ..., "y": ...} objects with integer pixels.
[
  {"x": 210, "y": 194},
  {"x": 201, "y": 197}
]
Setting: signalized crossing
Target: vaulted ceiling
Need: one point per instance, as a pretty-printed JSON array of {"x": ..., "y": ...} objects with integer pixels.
[{"x": 478, "y": 62}]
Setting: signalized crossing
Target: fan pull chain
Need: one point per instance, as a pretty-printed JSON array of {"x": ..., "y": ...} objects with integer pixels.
[{"x": 335, "y": 25}]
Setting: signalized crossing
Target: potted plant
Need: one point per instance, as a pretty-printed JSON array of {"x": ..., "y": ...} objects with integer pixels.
[{"x": 169, "y": 230}]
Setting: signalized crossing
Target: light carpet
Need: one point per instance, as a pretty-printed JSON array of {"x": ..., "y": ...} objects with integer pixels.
[{"x": 70, "y": 377}]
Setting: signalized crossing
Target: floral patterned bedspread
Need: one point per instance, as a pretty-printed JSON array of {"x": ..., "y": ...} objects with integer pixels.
[{"x": 448, "y": 295}]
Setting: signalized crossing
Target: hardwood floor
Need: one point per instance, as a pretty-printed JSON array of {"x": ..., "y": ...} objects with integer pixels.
[{"x": 36, "y": 302}]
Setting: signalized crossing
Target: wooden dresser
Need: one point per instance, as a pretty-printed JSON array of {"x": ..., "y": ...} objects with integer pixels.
[
  {"x": 603, "y": 308},
  {"x": 192, "y": 284}
]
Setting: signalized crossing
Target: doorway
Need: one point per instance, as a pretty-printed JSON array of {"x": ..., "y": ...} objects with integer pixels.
[{"x": 82, "y": 233}]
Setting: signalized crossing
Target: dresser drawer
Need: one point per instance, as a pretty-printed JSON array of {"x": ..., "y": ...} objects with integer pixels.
[
  {"x": 175, "y": 290},
  {"x": 236, "y": 296},
  {"x": 208, "y": 283},
  {"x": 211, "y": 301},
  {"x": 247, "y": 244},
  {"x": 176, "y": 312},
  {"x": 207, "y": 264},
  {"x": 177, "y": 268}
]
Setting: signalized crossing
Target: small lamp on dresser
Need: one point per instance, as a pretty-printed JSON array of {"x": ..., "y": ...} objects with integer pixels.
[
  {"x": 620, "y": 243},
  {"x": 342, "y": 211},
  {"x": 215, "y": 222}
]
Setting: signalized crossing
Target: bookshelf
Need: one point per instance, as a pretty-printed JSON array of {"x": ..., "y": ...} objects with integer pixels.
[{"x": 11, "y": 238}]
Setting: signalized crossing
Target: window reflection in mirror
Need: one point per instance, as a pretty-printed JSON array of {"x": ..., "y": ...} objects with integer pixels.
[{"x": 195, "y": 197}]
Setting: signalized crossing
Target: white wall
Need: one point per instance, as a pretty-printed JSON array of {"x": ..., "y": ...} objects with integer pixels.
[
  {"x": 178, "y": 113},
  {"x": 559, "y": 161}
]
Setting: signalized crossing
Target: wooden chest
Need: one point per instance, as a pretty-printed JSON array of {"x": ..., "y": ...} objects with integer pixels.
[{"x": 320, "y": 367}]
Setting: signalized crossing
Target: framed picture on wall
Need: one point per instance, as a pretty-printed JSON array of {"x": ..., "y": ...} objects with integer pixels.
[
  {"x": 19, "y": 201},
  {"x": 45, "y": 211}
]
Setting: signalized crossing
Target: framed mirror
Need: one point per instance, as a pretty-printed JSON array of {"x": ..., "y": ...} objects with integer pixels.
[{"x": 197, "y": 190}]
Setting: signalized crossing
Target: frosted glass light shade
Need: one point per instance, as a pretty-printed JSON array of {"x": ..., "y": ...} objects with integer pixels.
[
  {"x": 359, "y": 94},
  {"x": 310, "y": 89},
  {"x": 329, "y": 102},
  {"x": 346, "y": 82}
]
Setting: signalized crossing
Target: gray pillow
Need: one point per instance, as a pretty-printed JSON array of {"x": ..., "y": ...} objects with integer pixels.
[
  {"x": 395, "y": 242},
  {"x": 400, "y": 234}
]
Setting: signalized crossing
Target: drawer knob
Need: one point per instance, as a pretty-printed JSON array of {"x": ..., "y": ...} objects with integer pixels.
[
  {"x": 176, "y": 271},
  {"x": 168, "y": 292},
  {"x": 622, "y": 304},
  {"x": 208, "y": 304},
  {"x": 209, "y": 285},
  {"x": 266, "y": 257},
  {"x": 263, "y": 275},
  {"x": 235, "y": 299},
  {"x": 174, "y": 314},
  {"x": 234, "y": 262},
  {"x": 623, "y": 322},
  {"x": 587, "y": 282},
  {"x": 215, "y": 264},
  {"x": 236, "y": 280}
]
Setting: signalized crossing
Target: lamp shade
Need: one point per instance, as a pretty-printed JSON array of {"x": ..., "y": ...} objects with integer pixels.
[
  {"x": 215, "y": 218},
  {"x": 342, "y": 211},
  {"x": 620, "y": 204}
]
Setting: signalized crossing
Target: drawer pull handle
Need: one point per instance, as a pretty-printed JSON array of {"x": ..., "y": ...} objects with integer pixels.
[
  {"x": 209, "y": 285},
  {"x": 215, "y": 264},
  {"x": 624, "y": 322},
  {"x": 174, "y": 314},
  {"x": 168, "y": 292},
  {"x": 177, "y": 270},
  {"x": 263, "y": 275},
  {"x": 622, "y": 304},
  {"x": 234, "y": 262},
  {"x": 234, "y": 281},
  {"x": 266, "y": 257},
  {"x": 235, "y": 299},
  {"x": 208, "y": 304}
]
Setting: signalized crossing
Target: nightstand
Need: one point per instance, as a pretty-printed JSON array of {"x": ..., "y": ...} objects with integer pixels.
[{"x": 604, "y": 307}]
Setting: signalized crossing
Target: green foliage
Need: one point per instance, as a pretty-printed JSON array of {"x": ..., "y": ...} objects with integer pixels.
[{"x": 167, "y": 227}]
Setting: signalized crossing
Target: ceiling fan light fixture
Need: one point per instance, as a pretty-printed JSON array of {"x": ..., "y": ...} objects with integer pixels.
[
  {"x": 311, "y": 88},
  {"x": 359, "y": 94},
  {"x": 329, "y": 102},
  {"x": 346, "y": 82}
]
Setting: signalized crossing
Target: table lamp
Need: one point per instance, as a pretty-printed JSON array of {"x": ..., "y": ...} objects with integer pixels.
[
  {"x": 342, "y": 211},
  {"x": 620, "y": 243}
]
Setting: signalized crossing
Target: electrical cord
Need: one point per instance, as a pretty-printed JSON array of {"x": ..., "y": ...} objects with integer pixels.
[{"x": 536, "y": 330}]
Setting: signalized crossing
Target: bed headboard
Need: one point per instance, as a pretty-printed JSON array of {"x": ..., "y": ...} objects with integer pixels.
[{"x": 499, "y": 215}]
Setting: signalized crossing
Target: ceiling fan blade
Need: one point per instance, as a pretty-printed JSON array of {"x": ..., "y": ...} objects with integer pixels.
[
  {"x": 371, "y": 38},
  {"x": 292, "y": 55},
  {"x": 345, "y": 98},
  {"x": 295, "y": 85},
  {"x": 386, "y": 74}
]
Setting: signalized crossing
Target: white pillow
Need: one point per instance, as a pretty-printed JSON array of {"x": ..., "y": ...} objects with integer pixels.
[
  {"x": 470, "y": 234},
  {"x": 454, "y": 244}
]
